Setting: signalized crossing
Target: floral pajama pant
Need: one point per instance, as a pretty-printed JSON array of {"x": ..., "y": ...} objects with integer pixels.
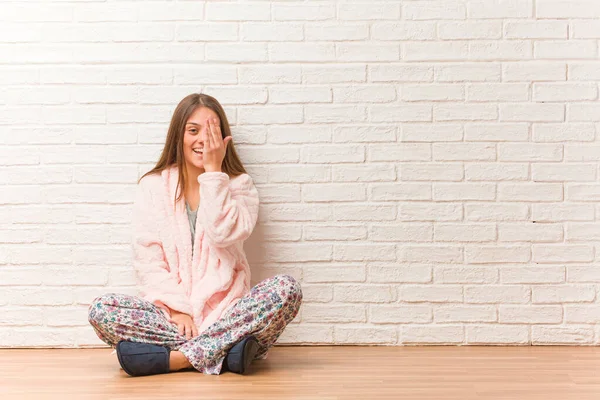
[{"x": 264, "y": 312}]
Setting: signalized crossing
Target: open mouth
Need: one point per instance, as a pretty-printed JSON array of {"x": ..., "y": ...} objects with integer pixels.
[{"x": 198, "y": 152}]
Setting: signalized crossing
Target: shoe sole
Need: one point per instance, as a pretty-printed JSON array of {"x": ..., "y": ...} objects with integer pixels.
[
  {"x": 121, "y": 360},
  {"x": 250, "y": 350}
]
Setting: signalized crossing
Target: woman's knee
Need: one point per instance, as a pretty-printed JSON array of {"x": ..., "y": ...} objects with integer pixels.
[
  {"x": 290, "y": 287},
  {"x": 97, "y": 309}
]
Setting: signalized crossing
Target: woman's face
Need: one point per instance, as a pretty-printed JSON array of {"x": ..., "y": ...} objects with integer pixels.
[{"x": 193, "y": 138}]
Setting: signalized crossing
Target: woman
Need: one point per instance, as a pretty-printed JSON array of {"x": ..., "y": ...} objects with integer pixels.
[{"x": 191, "y": 215}]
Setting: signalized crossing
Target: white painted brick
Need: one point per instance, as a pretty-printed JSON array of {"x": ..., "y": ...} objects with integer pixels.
[
  {"x": 582, "y": 313},
  {"x": 307, "y": 333},
  {"x": 538, "y": 112},
  {"x": 529, "y": 232},
  {"x": 583, "y": 274},
  {"x": 367, "y": 52},
  {"x": 352, "y": 133},
  {"x": 429, "y": 211},
  {"x": 576, "y": 132},
  {"x": 497, "y": 294},
  {"x": 436, "y": 51},
  {"x": 291, "y": 94},
  {"x": 468, "y": 72},
  {"x": 400, "y": 152},
  {"x": 529, "y": 314},
  {"x": 400, "y": 73},
  {"x": 497, "y": 92},
  {"x": 534, "y": 71},
  {"x": 496, "y": 212},
  {"x": 500, "y": 50},
  {"x": 562, "y": 253},
  {"x": 405, "y": 232},
  {"x": 317, "y": 293},
  {"x": 470, "y": 30},
  {"x": 333, "y": 273},
  {"x": 466, "y": 274},
  {"x": 334, "y": 113},
  {"x": 584, "y": 71},
  {"x": 529, "y": 152},
  {"x": 333, "y": 313},
  {"x": 464, "y": 151},
  {"x": 431, "y": 133},
  {"x": 366, "y": 212},
  {"x": 563, "y": 172},
  {"x": 287, "y": 52},
  {"x": 401, "y": 113},
  {"x": 364, "y": 252},
  {"x": 360, "y": 335},
  {"x": 351, "y": 173},
  {"x": 499, "y": 8},
  {"x": 564, "y": 92},
  {"x": 333, "y": 154},
  {"x": 571, "y": 49},
  {"x": 561, "y": 335},
  {"x": 496, "y": 172},
  {"x": 582, "y": 192},
  {"x": 430, "y": 293},
  {"x": 495, "y": 132},
  {"x": 536, "y": 30},
  {"x": 368, "y": 11},
  {"x": 567, "y": 9},
  {"x": 400, "y": 191},
  {"x": 464, "y": 232},
  {"x": 396, "y": 274},
  {"x": 463, "y": 191},
  {"x": 585, "y": 29},
  {"x": 538, "y": 274},
  {"x": 430, "y": 172},
  {"x": 441, "y": 253},
  {"x": 397, "y": 313},
  {"x": 583, "y": 112},
  {"x": 466, "y": 111},
  {"x": 464, "y": 313},
  {"x": 562, "y": 212},
  {"x": 496, "y": 334},
  {"x": 538, "y": 192},
  {"x": 444, "y": 9},
  {"x": 359, "y": 94},
  {"x": 403, "y": 30},
  {"x": 497, "y": 254},
  {"x": 421, "y": 92},
  {"x": 363, "y": 293},
  {"x": 563, "y": 294},
  {"x": 441, "y": 334},
  {"x": 264, "y": 32},
  {"x": 321, "y": 232}
]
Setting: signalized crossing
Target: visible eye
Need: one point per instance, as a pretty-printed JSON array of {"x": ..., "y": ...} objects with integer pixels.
[{"x": 192, "y": 130}]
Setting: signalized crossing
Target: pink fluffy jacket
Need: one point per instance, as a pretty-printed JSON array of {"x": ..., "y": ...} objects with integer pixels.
[{"x": 206, "y": 284}]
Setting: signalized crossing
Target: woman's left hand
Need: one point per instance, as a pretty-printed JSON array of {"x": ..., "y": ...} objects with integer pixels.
[{"x": 214, "y": 146}]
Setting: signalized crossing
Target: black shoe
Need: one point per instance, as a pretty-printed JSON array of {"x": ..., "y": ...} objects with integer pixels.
[
  {"x": 138, "y": 359},
  {"x": 241, "y": 355}
]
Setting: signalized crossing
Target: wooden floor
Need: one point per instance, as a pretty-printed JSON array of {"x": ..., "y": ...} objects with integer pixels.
[{"x": 318, "y": 372}]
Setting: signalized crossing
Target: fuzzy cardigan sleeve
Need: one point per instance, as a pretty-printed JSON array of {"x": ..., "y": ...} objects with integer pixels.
[
  {"x": 157, "y": 285},
  {"x": 228, "y": 208}
]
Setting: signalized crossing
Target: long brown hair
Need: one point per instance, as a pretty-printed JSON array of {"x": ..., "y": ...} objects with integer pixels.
[{"x": 173, "y": 151}]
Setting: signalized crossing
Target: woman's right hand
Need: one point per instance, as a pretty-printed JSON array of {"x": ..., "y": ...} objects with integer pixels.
[{"x": 185, "y": 324}]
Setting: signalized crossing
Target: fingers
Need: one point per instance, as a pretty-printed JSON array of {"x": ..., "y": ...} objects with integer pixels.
[
  {"x": 194, "y": 329},
  {"x": 181, "y": 328},
  {"x": 210, "y": 134},
  {"x": 188, "y": 331}
]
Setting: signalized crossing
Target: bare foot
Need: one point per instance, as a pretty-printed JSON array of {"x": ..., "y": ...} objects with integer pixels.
[{"x": 177, "y": 361}]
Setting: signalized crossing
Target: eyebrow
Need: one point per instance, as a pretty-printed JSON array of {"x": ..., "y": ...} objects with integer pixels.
[{"x": 193, "y": 123}]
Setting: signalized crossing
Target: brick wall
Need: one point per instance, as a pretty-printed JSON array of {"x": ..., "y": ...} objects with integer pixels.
[{"x": 428, "y": 170}]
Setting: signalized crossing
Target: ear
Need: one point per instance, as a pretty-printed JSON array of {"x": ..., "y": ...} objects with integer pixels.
[{"x": 227, "y": 140}]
